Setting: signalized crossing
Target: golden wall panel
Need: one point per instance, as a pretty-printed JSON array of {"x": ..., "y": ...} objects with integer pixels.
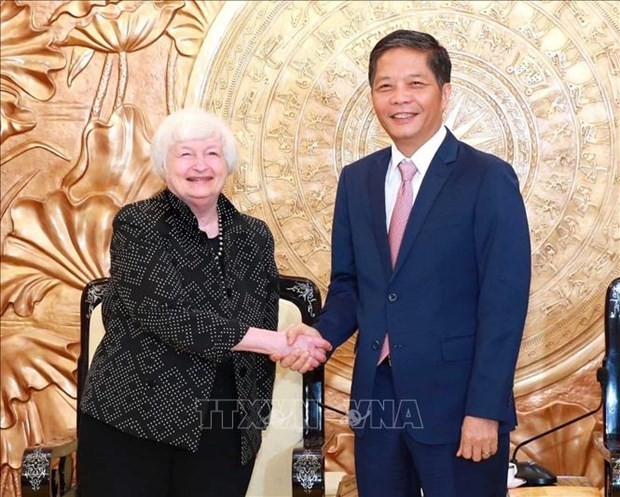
[{"x": 83, "y": 84}]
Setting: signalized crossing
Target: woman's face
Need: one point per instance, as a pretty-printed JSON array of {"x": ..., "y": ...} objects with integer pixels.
[{"x": 196, "y": 171}]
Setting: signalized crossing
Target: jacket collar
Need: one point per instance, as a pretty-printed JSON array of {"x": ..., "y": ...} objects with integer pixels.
[
  {"x": 229, "y": 214},
  {"x": 438, "y": 172}
]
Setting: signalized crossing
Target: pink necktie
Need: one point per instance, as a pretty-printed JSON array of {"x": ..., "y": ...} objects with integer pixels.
[{"x": 400, "y": 215}]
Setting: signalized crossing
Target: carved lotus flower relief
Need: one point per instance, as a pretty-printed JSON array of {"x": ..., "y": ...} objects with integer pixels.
[
  {"x": 57, "y": 245},
  {"x": 26, "y": 63}
]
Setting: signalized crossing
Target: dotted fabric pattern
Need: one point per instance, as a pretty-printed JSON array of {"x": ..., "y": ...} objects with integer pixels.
[{"x": 171, "y": 317}]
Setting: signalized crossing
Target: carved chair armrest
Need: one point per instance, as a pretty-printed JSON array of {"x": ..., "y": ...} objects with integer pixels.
[
  {"x": 308, "y": 463},
  {"x": 48, "y": 469}
]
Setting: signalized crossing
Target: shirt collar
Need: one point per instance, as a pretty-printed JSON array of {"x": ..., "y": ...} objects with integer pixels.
[{"x": 423, "y": 156}]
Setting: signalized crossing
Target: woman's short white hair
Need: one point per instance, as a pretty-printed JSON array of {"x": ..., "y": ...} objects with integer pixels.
[{"x": 191, "y": 124}]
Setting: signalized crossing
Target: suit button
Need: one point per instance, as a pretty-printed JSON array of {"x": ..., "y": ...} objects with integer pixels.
[
  {"x": 376, "y": 344},
  {"x": 393, "y": 297}
]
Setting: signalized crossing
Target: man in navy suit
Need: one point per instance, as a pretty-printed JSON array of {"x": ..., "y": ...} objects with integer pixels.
[{"x": 447, "y": 307}]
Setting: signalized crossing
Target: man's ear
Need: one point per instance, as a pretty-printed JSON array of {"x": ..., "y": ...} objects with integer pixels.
[{"x": 446, "y": 91}]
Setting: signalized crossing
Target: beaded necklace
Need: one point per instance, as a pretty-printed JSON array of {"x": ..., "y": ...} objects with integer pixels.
[
  {"x": 216, "y": 239},
  {"x": 218, "y": 256},
  {"x": 220, "y": 247}
]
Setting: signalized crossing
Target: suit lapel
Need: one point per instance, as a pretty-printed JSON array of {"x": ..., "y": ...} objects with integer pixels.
[
  {"x": 376, "y": 192},
  {"x": 438, "y": 172}
]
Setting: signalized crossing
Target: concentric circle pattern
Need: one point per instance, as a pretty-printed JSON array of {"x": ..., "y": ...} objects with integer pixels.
[{"x": 535, "y": 83}]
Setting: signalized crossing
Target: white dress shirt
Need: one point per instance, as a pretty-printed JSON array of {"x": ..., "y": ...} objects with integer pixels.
[{"x": 421, "y": 158}]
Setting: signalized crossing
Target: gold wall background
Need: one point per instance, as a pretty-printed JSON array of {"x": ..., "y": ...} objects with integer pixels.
[{"x": 84, "y": 84}]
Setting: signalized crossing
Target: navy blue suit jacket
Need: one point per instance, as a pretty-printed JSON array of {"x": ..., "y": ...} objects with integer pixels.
[{"x": 454, "y": 304}]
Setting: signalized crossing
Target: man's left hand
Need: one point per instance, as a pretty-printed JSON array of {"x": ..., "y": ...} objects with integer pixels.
[{"x": 478, "y": 438}]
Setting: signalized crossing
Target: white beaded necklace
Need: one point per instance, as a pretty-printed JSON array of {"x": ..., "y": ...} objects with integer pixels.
[
  {"x": 220, "y": 239},
  {"x": 220, "y": 247},
  {"x": 218, "y": 256}
]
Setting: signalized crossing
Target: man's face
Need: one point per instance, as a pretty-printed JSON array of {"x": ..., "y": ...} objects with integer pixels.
[{"x": 407, "y": 99}]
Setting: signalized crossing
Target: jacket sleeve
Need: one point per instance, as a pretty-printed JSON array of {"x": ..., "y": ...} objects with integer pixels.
[
  {"x": 504, "y": 270},
  {"x": 267, "y": 368},
  {"x": 338, "y": 319},
  {"x": 151, "y": 292}
]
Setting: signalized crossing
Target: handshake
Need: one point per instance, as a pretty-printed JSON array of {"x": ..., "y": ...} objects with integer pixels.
[{"x": 303, "y": 350}]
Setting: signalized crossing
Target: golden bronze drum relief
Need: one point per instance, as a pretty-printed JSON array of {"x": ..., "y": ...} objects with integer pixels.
[{"x": 535, "y": 83}]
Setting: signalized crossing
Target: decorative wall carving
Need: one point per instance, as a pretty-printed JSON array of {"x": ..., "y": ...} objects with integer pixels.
[{"x": 82, "y": 85}]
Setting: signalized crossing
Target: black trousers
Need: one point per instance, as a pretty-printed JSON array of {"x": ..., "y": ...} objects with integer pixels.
[{"x": 115, "y": 464}]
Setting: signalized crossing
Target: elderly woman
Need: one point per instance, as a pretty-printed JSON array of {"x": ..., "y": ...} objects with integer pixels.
[{"x": 180, "y": 386}]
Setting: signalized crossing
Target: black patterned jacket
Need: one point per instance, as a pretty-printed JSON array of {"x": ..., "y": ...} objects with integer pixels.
[{"x": 170, "y": 319}]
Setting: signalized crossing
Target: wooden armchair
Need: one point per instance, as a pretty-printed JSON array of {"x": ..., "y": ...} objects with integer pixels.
[{"x": 290, "y": 462}]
